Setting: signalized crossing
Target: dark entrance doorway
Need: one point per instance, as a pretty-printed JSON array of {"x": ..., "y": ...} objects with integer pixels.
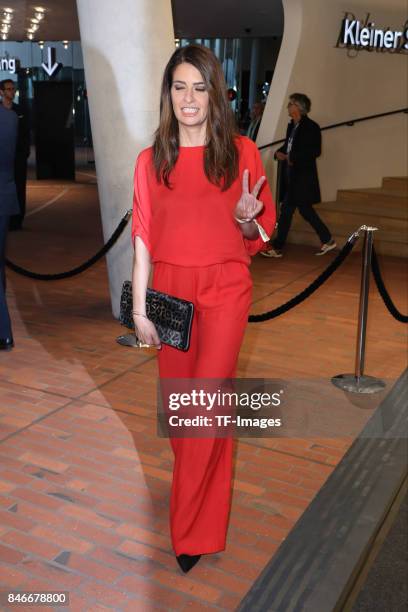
[{"x": 54, "y": 130}]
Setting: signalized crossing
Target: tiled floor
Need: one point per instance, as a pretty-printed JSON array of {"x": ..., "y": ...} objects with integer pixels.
[{"x": 84, "y": 479}]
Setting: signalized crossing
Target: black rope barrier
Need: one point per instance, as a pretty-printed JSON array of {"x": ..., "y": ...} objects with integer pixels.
[
  {"x": 383, "y": 291},
  {"x": 266, "y": 316},
  {"x": 318, "y": 282},
  {"x": 87, "y": 264}
]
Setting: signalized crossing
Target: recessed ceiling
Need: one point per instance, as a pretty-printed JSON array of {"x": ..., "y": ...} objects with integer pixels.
[
  {"x": 60, "y": 21},
  {"x": 192, "y": 19},
  {"x": 227, "y": 18}
]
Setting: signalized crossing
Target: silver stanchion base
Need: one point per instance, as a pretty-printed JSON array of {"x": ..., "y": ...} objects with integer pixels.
[
  {"x": 128, "y": 340},
  {"x": 353, "y": 384}
]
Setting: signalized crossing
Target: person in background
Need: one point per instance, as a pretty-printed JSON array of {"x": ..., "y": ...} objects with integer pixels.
[
  {"x": 198, "y": 192},
  {"x": 7, "y": 93},
  {"x": 8, "y": 206},
  {"x": 299, "y": 180},
  {"x": 256, "y": 116}
]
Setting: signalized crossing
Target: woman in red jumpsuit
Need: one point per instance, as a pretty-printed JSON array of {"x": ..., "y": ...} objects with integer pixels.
[{"x": 193, "y": 219}]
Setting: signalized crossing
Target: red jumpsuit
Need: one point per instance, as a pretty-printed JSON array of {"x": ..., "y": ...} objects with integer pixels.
[{"x": 199, "y": 254}]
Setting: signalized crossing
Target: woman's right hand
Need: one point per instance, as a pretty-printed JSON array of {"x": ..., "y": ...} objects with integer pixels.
[{"x": 146, "y": 331}]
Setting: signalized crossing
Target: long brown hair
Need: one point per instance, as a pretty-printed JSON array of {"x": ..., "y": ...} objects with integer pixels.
[{"x": 221, "y": 154}]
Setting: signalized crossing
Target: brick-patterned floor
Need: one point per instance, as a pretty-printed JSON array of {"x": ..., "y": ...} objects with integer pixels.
[{"x": 84, "y": 479}]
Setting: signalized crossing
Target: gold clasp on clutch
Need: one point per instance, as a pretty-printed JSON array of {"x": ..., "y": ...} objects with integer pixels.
[{"x": 132, "y": 340}]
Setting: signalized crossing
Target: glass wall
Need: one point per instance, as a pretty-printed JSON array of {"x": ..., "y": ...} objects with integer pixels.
[
  {"x": 248, "y": 64},
  {"x": 28, "y": 63}
]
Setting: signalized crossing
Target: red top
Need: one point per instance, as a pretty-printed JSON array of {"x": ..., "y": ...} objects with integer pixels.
[{"x": 192, "y": 224}]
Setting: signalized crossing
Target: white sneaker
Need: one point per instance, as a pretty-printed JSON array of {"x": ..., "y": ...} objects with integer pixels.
[
  {"x": 272, "y": 253},
  {"x": 325, "y": 248}
]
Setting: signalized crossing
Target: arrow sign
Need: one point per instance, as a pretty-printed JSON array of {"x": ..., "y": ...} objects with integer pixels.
[{"x": 51, "y": 66}]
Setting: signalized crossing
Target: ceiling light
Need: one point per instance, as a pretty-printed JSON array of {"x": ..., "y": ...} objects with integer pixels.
[
  {"x": 4, "y": 28},
  {"x": 7, "y": 17},
  {"x": 30, "y": 36},
  {"x": 4, "y": 36},
  {"x": 8, "y": 10},
  {"x": 34, "y": 20},
  {"x": 39, "y": 12},
  {"x": 33, "y": 28},
  {"x": 41, "y": 44}
]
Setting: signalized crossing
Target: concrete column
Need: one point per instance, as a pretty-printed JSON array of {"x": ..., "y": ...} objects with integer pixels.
[{"x": 125, "y": 50}]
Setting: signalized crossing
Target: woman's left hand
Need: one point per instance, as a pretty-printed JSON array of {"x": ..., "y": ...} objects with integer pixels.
[{"x": 248, "y": 207}]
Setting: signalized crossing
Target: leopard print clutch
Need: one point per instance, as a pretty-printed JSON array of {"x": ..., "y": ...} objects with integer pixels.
[{"x": 171, "y": 316}]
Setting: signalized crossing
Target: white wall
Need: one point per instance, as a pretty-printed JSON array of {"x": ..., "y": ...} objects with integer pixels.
[{"x": 342, "y": 85}]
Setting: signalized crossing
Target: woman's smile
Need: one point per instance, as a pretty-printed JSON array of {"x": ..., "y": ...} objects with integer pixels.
[{"x": 189, "y": 96}]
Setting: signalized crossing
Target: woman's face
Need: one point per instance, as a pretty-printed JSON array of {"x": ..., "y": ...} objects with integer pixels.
[{"x": 189, "y": 96}]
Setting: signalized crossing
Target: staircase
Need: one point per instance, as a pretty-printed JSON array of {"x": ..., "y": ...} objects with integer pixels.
[{"x": 385, "y": 207}]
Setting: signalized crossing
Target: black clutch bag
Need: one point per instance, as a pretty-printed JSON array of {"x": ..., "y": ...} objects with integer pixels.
[{"x": 171, "y": 316}]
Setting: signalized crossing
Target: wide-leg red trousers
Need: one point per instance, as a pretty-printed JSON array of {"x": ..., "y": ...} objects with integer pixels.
[{"x": 201, "y": 487}]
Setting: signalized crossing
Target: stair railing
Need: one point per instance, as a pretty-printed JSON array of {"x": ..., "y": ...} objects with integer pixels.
[{"x": 349, "y": 123}]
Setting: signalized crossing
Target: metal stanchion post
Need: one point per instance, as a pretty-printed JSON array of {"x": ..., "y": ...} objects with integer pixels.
[{"x": 359, "y": 382}]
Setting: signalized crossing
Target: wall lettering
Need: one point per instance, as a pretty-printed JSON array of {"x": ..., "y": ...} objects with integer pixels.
[
  {"x": 8, "y": 64},
  {"x": 365, "y": 35}
]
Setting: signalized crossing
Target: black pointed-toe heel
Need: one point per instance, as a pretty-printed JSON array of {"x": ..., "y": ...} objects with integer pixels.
[{"x": 186, "y": 562}]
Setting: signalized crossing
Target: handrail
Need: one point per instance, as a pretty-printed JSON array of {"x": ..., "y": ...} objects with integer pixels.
[{"x": 349, "y": 123}]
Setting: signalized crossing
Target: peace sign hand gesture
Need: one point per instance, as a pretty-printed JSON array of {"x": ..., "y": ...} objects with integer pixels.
[{"x": 248, "y": 207}]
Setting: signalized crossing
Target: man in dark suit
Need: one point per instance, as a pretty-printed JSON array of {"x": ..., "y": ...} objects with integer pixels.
[
  {"x": 299, "y": 184},
  {"x": 8, "y": 206},
  {"x": 7, "y": 93}
]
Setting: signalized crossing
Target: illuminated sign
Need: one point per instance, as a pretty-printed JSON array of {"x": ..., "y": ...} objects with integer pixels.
[
  {"x": 366, "y": 35},
  {"x": 355, "y": 34},
  {"x": 12, "y": 64},
  {"x": 8, "y": 64},
  {"x": 51, "y": 66}
]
